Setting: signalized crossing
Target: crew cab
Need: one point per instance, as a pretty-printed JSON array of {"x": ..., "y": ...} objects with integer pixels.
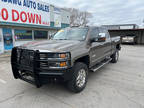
[{"x": 69, "y": 56}]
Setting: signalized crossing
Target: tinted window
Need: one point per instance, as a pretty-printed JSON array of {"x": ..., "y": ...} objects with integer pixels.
[
  {"x": 104, "y": 30},
  {"x": 23, "y": 35},
  {"x": 94, "y": 32},
  {"x": 40, "y": 34}
]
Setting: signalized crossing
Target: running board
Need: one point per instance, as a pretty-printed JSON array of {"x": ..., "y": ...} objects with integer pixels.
[{"x": 98, "y": 66}]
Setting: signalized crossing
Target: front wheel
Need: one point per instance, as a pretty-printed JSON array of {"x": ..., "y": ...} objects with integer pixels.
[
  {"x": 79, "y": 78},
  {"x": 115, "y": 57}
]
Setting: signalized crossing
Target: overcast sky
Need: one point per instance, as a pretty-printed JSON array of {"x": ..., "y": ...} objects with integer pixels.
[{"x": 107, "y": 11}]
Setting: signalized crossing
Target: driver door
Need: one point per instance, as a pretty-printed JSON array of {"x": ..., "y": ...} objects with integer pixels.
[{"x": 96, "y": 48}]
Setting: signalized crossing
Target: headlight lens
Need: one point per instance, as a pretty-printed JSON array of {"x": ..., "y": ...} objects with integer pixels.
[
  {"x": 55, "y": 60},
  {"x": 61, "y": 55},
  {"x": 58, "y": 64},
  {"x": 54, "y": 55}
]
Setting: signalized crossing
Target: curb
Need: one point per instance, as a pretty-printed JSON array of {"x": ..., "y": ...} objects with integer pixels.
[{"x": 4, "y": 55}]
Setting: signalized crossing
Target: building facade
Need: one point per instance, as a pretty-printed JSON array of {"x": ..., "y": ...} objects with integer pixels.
[
  {"x": 22, "y": 21},
  {"x": 139, "y": 33},
  {"x": 123, "y": 30},
  {"x": 121, "y": 26}
]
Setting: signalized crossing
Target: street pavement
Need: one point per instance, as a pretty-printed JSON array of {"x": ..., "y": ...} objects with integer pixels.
[{"x": 119, "y": 85}]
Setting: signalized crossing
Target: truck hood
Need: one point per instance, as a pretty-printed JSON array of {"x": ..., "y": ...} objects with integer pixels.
[{"x": 52, "y": 45}]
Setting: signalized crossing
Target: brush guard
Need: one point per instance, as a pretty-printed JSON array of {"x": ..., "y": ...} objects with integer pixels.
[{"x": 25, "y": 72}]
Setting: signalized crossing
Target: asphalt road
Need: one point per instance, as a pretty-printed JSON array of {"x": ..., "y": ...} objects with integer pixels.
[{"x": 119, "y": 85}]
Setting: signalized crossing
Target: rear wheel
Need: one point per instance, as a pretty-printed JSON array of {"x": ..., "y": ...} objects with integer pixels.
[
  {"x": 115, "y": 57},
  {"x": 79, "y": 78}
]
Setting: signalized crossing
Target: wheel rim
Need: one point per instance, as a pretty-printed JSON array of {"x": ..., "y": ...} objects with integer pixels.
[{"x": 81, "y": 78}]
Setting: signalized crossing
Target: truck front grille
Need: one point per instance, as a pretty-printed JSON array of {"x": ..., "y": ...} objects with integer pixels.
[
  {"x": 44, "y": 56},
  {"x": 43, "y": 64}
]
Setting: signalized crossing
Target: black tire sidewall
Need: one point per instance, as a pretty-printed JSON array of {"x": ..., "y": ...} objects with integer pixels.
[
  {"x": 114, "y": 57},
  {"x": 72, "y": 83}
]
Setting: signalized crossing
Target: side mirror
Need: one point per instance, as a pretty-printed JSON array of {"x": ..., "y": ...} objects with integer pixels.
[
  {"x": 51, "y": 35},
  {"x": 102, "y": 37}
]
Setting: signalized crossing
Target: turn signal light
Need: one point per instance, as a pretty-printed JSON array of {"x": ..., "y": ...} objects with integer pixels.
[{"x": 62, "y": 64}]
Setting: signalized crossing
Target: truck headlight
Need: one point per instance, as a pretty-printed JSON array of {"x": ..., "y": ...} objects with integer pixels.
[
  {"x": 55, "y": 60},
  {"x": 58, "y": 65},
  {"x": 62, "y": 55},
  {"x": 54, "y": 55}
]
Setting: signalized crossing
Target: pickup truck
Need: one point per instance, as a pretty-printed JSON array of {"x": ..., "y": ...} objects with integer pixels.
[{"x": 68, "y": 57}]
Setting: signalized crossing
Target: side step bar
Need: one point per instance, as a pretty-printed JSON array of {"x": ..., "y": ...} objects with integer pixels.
[{"x": 101, "y": 64}]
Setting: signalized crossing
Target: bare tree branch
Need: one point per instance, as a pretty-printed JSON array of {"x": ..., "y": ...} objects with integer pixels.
[{"x": 78, "y": 18}]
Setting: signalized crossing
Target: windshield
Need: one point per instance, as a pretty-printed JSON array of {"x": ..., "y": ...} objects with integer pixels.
[{"x": 71, "y": 34}]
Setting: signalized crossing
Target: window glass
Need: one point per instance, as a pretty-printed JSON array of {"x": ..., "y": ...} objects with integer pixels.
[
  {"x": 94, "y": 32},
  {"x": 104, "y": 30},
  {"x": 40, "y": 34},
  {"x": 71, "y": 34},
  {"x": 23, "y": 35}
]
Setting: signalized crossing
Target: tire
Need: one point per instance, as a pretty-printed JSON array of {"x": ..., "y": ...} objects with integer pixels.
[
  {"x": 79, "y": 78},
  {"x": 115, "y": 57}
]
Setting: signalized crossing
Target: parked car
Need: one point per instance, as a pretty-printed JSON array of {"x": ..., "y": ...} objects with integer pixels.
[
  {"x": 68, "y": 57},
  {"x": 129, "y": 39}
]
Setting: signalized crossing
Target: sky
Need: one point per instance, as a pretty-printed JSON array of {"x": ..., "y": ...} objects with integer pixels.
[{"x": 107, "y": 11}]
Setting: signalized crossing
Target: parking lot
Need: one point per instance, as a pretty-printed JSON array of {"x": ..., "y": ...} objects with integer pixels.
[{"x": 119, "y": 85}]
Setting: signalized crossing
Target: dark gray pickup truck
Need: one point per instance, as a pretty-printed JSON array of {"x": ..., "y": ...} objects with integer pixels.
[{"x": 68, "y": 57}]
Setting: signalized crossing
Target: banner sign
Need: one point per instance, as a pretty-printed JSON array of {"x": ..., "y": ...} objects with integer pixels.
[
  {"x": 127, "y": 27},
  {"x": 57, "y": 17},
  {"x": 25, "y": 12}
]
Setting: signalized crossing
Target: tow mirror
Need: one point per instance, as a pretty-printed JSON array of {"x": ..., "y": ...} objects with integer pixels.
[
  {"x": 102, "y": 37},
  {"x": 51, "y": 36}
]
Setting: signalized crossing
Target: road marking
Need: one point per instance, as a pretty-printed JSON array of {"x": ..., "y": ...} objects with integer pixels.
[{"x": 2, "y": 81}]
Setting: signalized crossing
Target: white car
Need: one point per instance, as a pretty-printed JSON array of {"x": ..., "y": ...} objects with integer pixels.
[{"x": 129, "y": 39}]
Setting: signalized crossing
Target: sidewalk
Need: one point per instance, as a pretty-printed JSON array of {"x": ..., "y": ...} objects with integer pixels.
[{"x": 5, "y": 54}]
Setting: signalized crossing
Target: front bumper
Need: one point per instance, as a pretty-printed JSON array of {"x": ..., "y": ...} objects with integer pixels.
[{"x": 34, "y": 74}]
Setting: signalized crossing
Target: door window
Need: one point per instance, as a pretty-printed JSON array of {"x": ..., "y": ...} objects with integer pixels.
[
  {"x": 94, "y": 32},
  {"x": 103, "y": 30}
]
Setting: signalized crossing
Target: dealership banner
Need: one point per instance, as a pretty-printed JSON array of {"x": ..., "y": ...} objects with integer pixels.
[
  {"x": 57, "y": 17},
  {"x": 25, "y": 12}
]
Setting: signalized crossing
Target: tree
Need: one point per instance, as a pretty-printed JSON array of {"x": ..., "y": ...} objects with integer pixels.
[{"x": 79, "y": 18}]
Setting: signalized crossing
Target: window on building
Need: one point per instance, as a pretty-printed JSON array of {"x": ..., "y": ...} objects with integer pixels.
[
  {"x": 40, "y": 34},
  {"x": 23, "y": 35}
]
